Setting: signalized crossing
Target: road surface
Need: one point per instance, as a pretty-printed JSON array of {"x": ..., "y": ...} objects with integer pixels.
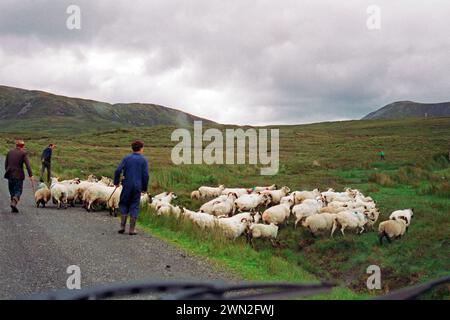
[{"x": 37, "y": 246}]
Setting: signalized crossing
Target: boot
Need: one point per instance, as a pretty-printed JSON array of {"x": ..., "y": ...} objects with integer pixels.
[
  {"x": 123, "y": 223},
  {"x": 132, "y": 231},
  {"x": 14, "y": 202}
]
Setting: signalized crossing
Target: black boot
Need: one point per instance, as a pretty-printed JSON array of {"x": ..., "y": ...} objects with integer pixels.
[
  {"x": 14, "y": 202},
  {"x": 132, "y": 231},
  {"x": 123, "y": 223}
]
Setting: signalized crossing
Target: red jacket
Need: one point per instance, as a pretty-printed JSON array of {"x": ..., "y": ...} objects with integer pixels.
[{"x": 14, "y": 164}]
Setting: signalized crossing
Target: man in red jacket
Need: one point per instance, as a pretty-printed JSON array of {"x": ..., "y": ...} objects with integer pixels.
[{"x": 15, "y": 159}]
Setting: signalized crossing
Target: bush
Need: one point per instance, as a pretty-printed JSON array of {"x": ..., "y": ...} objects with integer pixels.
[
  {"x": 441, "y": 189},
  {"x": 382, "y": 179}
]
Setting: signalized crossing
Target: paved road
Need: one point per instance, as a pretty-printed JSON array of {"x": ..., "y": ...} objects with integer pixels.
[{"x": 37, "y": 246}]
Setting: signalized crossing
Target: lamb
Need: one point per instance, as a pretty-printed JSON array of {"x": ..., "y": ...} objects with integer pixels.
[
  {"x": 299, "y": 196},
  {"x": 350, "y": 219},
  {"x": 391, "y": 229},
  {"x": 210, "y": 192},
  {"x": 225, "y": 208},
  {"x": 406, "y": 214},
  {"x": 195, "y": 195},
  {"x": 59, "y": 193},
  {"x": 277, "y": 194},
  {"x": 278, "y": 214},
  {"x": 42, "y": 195},
  {"x": 318, "y": 223},
  {"x": 250, "y": 202},
  {"x": 208, "y": 206},
  {"x": 307, "y": 209}
]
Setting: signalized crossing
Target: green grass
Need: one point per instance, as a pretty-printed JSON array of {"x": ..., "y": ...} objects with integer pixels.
[{"x": 340, "y": 154}]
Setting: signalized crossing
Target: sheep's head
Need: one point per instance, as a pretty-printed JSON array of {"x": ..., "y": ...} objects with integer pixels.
[{"x": 286, "y": 190}]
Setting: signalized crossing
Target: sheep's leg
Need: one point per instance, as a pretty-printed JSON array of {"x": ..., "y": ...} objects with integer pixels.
[
  {"x": 388, "y": 238},
  {"x": 342, "y": 230},
  {"x": 333, "y": 229}
]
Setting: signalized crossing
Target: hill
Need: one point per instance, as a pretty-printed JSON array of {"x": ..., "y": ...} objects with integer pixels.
[
  {"x": 410, "y": 109},
  {"x": 38, "y": 110}
]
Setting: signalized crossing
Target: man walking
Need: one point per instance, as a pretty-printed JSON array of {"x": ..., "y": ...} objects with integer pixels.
[
  {"x": 46, "y": 159},
  {"x": 135, "y": 171},
  {"x": 15, "y": 159}
]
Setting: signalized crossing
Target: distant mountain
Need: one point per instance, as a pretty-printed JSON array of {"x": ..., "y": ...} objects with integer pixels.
[
  {"x": 409, "y": 109},
  {"x": 19, "y": 107}
]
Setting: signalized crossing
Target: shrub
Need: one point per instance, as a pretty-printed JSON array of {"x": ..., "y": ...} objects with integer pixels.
[{"x": 382, "y": 179}]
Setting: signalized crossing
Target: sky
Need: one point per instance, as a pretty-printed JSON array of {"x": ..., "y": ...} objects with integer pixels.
[{"x": 241, "y": 62}]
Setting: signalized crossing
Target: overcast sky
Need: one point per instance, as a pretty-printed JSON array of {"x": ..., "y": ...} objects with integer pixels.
[{"x": 232, "y": 61}]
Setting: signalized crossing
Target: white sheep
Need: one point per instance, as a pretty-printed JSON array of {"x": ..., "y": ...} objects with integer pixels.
[
  {"x": 299, "y": 196},
  {"x": 238, "y": 191},
  {"x": 201, "y": 219},
  {"x": 233, "y": 227},
  {"x": 259, "y": 230},
  {"x": 208, "y": 206},
  {"x": 277, "y": 194},
  {"x": 277, "y": 214},
  {"x": 113, "y": 201},
  {"x": 98, "y": 193},
  {"x": 259, "y": 189},
  {"x": 146, "y": 199},
  {"x": 59, "y": 193},
  {"x": 225, "y": 208},
  {"x": 250, "y": 202},
  {"x": 350, "y": 219},
  {"x": 391, "y": 229},
  {"x": 210, "y": 192},
  {"x": 318, "y": 223},
  {"x": 306, "y": 209},
  {"x": 405, "y": 214},
  {"x": 168, "y": 209}
]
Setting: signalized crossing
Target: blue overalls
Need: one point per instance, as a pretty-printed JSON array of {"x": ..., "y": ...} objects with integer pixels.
[{"x": 135, "y": 171}]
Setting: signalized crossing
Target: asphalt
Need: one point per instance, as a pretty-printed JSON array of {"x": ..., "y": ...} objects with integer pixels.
[{"x": 38, "y": 245}]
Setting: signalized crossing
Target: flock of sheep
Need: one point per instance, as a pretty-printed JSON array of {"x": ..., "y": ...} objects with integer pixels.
[{"x": 237, "y": 211}]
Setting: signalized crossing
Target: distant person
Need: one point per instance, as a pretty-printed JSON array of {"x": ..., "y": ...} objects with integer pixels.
[
  {"x": 15, "y": 159},
  {"x": 381, "y": 154},
  {"x": 46, "y": 159},
  {"x": 135, "y": 171}
]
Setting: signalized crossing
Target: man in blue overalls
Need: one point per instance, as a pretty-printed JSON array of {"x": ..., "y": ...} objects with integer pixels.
[{"x": 135, "y": 171}]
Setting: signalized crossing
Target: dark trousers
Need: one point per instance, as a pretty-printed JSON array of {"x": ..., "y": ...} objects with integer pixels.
[
  {"x": 46, "y": 165},
  {"x": 15, "y": 188},
  {"x": 130, "y": 199}
]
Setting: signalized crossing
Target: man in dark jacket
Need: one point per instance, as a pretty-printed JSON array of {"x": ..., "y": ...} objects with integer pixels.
[
  {"x": 46, "y": 159},
  {"x": 15, "y": 159},
  {"x": 135, "y": 171}
]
